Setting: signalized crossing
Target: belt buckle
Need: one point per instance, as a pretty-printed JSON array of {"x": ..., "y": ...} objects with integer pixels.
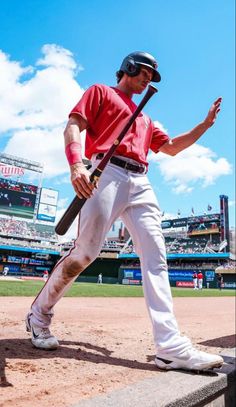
[{"x": 142, "y": 168}]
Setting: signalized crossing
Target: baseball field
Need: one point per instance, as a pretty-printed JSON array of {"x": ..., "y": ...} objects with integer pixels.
[
  {"x": 18, "y": 287},
  {"x": 106, "y": 340}
]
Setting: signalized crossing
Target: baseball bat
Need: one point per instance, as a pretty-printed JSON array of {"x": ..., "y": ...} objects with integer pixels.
[{"x": 75, "y": 206}]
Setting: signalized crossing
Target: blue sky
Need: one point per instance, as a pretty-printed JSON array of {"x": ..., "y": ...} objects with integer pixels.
[{"x": 51, "y": 51}]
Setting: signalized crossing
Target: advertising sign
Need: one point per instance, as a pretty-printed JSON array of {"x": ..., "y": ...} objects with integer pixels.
[
  {"x": 49, "y": 196},
  {"x": 9, "y": 171},
  {"x": 231, "y": 284},
  {"x": 187, "y": 284},
  {"x": 47, "y": 205},
  {"x": 210, "y": 275},
  {"x": 174, "y": 223},
  {"x": 177, "y": 223},
  {"x": 132, "y": 274},
  {"x": 47, "y": 212},
  {"x": 180, "y": 275}
]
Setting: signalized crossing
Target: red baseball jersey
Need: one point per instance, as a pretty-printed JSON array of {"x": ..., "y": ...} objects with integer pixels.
[{"x": 107, "y": 110}]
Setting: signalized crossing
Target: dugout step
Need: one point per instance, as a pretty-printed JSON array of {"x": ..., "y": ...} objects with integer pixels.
[{"x": 177, "y": 389}]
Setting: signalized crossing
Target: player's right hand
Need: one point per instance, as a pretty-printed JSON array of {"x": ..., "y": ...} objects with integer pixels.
[{"x": 80, "y": 179}]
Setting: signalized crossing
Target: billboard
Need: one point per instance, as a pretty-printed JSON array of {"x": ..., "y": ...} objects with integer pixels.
[
  {"x": 174, "y": 223},
  {"x": 132, "y": 273},
  {"x": 47, "y": 212},
  {"x": 49, "y": 196},
  {"x": 195, "y": 225},
  {"x": 47, "y": 205},
  {"x": 19, "y": 186},
  {"x": 17, "y": 198},
  {"x": 204, "y": 225}
]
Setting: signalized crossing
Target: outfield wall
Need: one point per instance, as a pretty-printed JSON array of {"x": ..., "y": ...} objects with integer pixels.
[{"x": 26, "y": 261}]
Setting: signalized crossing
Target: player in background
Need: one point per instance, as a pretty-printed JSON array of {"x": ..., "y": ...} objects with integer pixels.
[
  {"x": 195, "y": 284},
  {"x": 200, "y": 280}
]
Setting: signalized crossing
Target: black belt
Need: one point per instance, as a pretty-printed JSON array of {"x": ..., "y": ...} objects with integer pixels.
[{"x": 124, "y": 164}]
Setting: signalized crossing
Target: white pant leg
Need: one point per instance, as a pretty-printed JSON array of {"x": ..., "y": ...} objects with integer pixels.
[
  {"x": 144, "y": 223},
  {"x": 96, "y": 218}
]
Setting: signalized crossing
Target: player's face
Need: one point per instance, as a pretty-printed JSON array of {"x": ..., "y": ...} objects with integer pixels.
[{"x": 142, "y": 80}]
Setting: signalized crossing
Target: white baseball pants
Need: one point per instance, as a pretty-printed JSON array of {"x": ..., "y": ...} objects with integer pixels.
[
  {"x": 195, "y": 285},
  {"x": 129, "y": 196}
]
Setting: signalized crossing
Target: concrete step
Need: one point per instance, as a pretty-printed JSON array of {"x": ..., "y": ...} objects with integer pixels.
[{"x": 177, "y": 389}]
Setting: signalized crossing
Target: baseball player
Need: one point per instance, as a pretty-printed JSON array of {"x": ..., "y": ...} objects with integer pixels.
[
  {"x": 123, "y": 191},
  {"x": 200, "y": 280},
  {"x": 195, "y": 285}
]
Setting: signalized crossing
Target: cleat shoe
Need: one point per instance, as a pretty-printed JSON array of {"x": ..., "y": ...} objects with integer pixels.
[
  {"x": 191, "y": 359},
  {"x": 41, "y": 337}
]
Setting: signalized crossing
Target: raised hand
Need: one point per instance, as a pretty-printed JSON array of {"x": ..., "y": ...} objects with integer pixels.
[{"x": 213, "y": 112}]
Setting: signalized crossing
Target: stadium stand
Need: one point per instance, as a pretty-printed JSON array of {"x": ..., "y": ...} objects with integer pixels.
[
  {"x": 24, "y": 243},
  {"x": 188, "y": 245},
  {"x": 30, "y": 231}
]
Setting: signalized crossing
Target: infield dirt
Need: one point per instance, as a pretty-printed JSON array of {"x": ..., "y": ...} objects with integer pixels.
[{"x": 106, "y": 344}]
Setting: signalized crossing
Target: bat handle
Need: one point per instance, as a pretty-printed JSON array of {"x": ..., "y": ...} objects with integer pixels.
[{"x": 96, "y": 174}]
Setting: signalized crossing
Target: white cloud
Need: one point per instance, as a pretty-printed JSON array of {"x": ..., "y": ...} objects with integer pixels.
[
  {"x": 182, "y": 189},
  {"x": 54, "y": 55},
  {"x": 160, "y": 126},
  {"x": 63, "y": 180},
  {"x": 169, "y": 215},
  {"x": 34, "y": 105},
  {"x": 62, "y": 203},
  {"x": 44, "y": 146},
  {"x": 196, "y": 164}
]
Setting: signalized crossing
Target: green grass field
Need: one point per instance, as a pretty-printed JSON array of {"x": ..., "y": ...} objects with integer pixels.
[{"x": 31, "y": 288}]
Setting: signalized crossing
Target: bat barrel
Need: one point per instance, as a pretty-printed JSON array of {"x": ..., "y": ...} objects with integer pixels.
[{"x": 69, "y": 216}]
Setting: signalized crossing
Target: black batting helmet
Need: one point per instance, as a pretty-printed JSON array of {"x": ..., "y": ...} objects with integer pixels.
[{"x": 131, "y": 64}]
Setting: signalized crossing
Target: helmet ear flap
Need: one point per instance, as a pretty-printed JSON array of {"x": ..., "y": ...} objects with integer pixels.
[{"x": 130, "y": 67}]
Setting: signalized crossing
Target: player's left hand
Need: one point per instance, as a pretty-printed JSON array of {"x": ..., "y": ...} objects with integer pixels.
[{"x": 212, "y": 114}]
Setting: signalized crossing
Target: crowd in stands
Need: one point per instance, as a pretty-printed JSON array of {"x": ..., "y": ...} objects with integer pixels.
[
  {"x": 23, "y": 233},
  {"x": 29, "y": 243},
  {"x": 181, "y": 265},
  {"x": 180, "y": 244},
  {"x": 229, "y": 265},
  {"x": 112, "y": 245},
  {"x": 194, "y": 265},
  {"x": 187, "y": 245},
  {"x": 26, "y": 230}
]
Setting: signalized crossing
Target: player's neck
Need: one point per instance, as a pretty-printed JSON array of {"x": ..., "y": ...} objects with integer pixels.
[{"x": 125, "y": 89}]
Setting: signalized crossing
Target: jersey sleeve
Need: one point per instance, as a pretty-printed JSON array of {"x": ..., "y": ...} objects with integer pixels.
[
  {"x": 159, "y": 138},
  {"x": 89, "y": 105}
]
